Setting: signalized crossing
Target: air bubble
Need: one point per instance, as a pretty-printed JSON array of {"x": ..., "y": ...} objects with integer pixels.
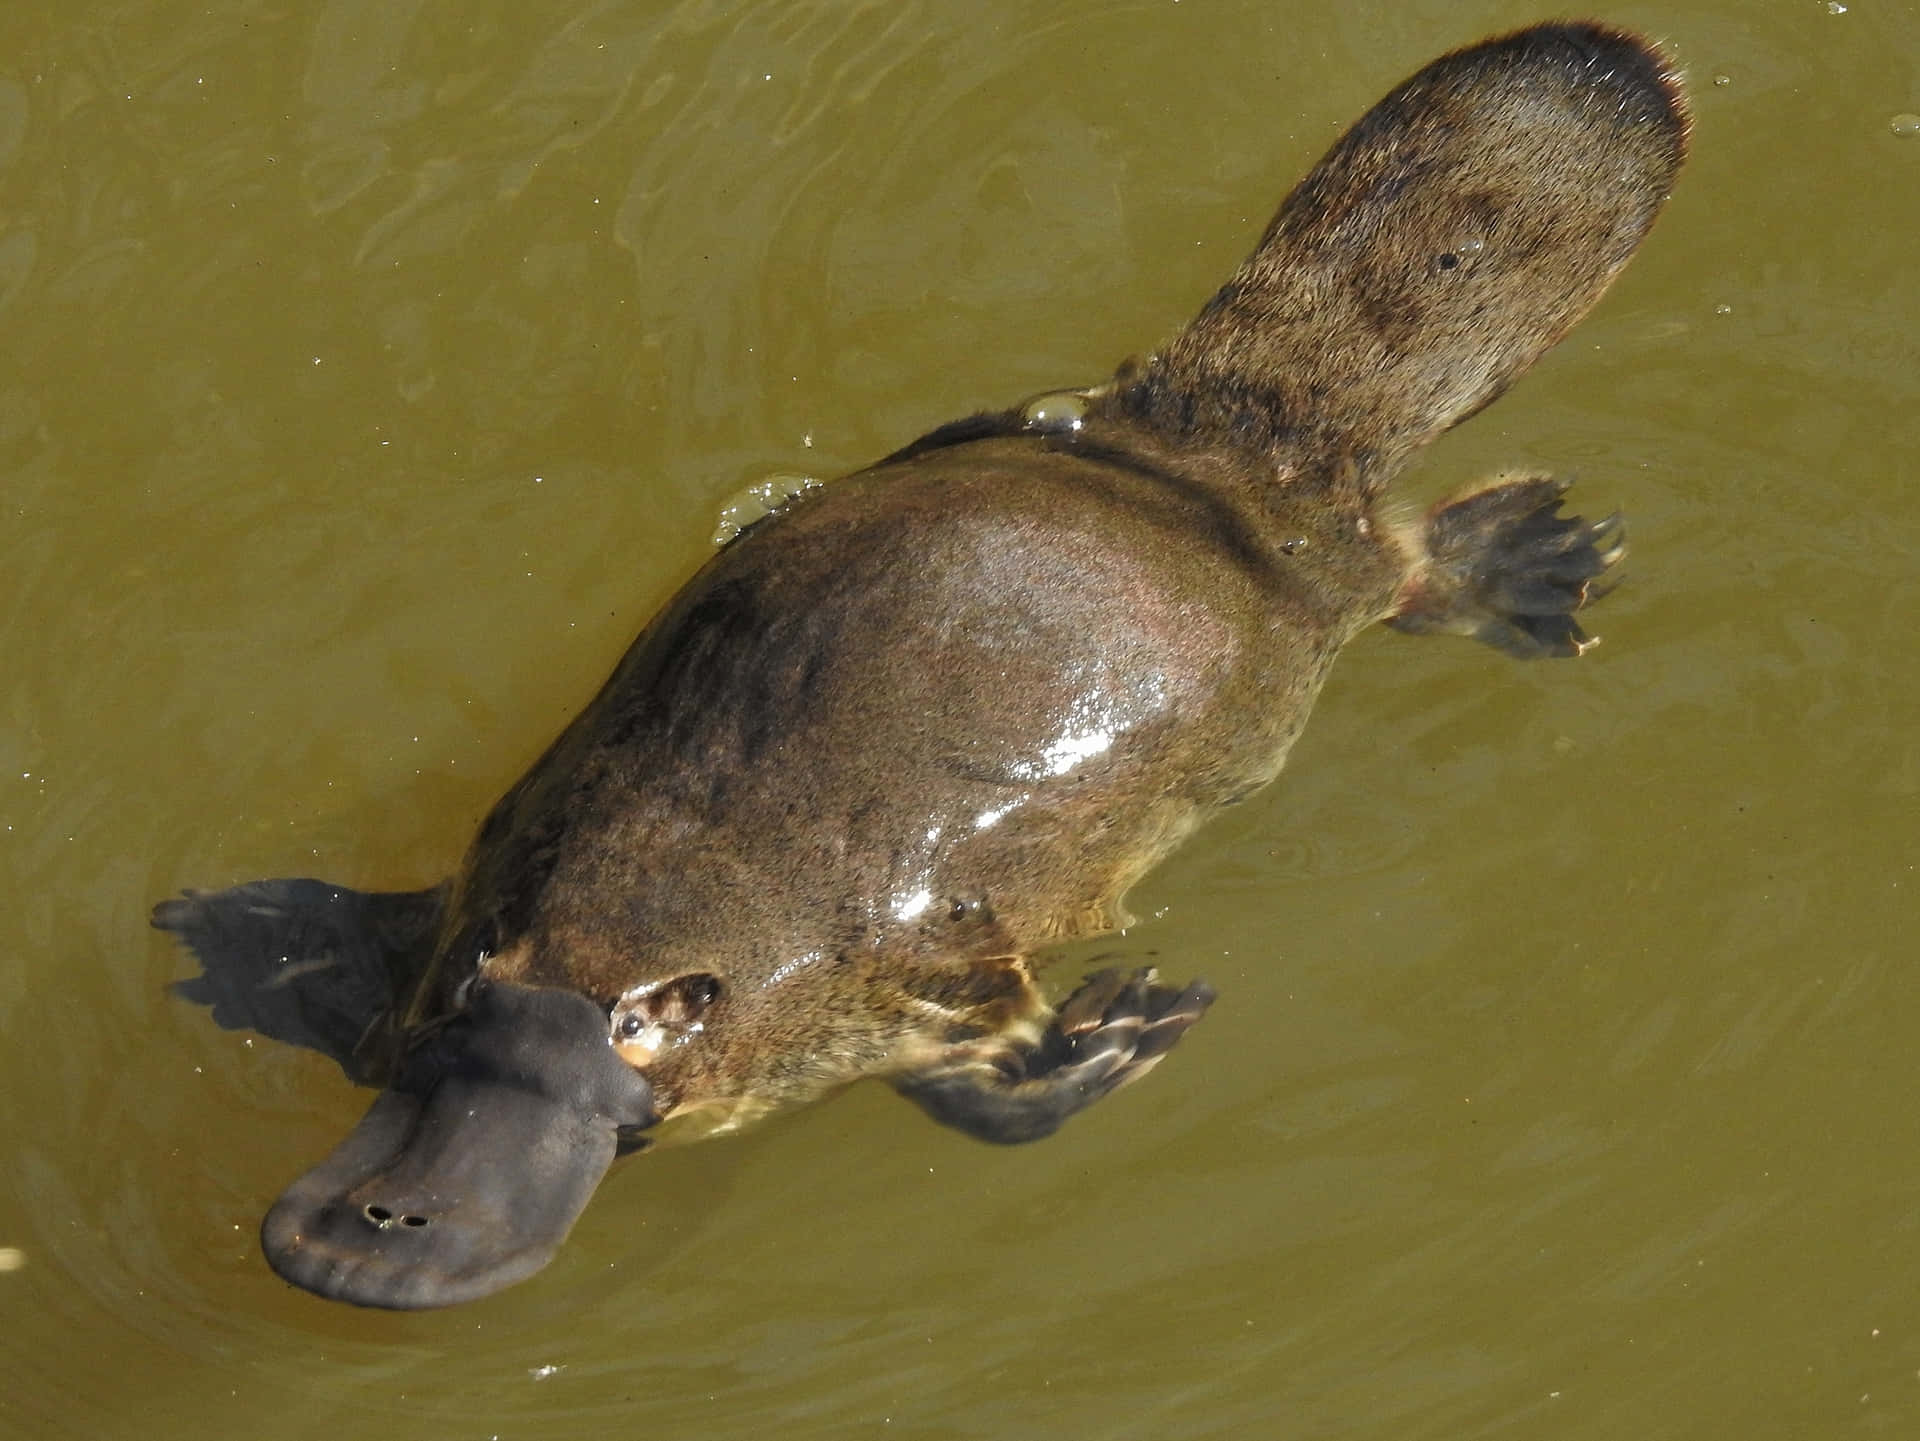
[
  {"x": 1058, "y": 412},
  {"x": 758, "y": 501},
  {"x": 1906, "y": 124}
]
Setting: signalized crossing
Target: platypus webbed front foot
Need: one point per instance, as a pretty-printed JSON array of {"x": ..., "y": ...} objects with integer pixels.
[
  {"x": 1501, "y": 564},
  {"x": 1113, "y": 1030},
  {"x": 308, "y": 962}
]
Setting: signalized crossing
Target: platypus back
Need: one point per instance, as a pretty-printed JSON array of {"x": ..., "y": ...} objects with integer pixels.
[{"x": 1449, "y": 238}]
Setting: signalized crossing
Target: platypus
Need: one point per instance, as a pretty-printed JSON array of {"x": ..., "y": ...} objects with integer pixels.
[{"x": 921, "y": 723}]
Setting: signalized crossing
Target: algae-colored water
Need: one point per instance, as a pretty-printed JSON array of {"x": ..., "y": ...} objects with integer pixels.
[{"x": 369, "y": 372}]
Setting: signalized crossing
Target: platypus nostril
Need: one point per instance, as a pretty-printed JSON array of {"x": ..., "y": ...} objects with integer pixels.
[{"x": 382, "y": 1218}]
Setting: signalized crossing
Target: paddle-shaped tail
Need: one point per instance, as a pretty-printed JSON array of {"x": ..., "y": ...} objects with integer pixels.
[{"x": 1449, "y": 238}]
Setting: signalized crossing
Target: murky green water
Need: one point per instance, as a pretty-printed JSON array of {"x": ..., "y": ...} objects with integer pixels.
[{"x": 370, "y": 370}]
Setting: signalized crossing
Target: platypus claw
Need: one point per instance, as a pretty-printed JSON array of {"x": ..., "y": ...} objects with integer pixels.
[
  {"x": 1119, "y": 1023},
  {"x": 1111, "y": 1031},
  {"x": 1502, "y": 564}
]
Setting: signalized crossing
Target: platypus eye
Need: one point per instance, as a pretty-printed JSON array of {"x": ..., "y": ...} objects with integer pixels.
[{"x": 672, "y": 1004}]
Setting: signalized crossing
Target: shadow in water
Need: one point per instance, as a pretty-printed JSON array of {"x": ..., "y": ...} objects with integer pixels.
[{"x": 308, "y": 963}]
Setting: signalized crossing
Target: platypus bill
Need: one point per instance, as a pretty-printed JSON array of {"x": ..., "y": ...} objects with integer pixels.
[{"x": 899, "y": 737}]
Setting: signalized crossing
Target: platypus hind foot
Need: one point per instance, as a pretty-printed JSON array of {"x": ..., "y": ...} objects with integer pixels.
[
  {"x": 1113, "y": 1030},
  {"x": 1501, "y": 564}
]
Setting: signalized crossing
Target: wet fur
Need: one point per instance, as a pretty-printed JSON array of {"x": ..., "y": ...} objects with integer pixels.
[
  {"x": 936, "y": 716},
  {"x": 757, "y": 783}
]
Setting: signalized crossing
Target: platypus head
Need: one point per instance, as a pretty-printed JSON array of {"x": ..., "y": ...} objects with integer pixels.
[{"x": 472, "y": 1166}]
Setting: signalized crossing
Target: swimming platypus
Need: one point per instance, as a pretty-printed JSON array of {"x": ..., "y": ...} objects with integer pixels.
[{"x": 922, "y": 722}]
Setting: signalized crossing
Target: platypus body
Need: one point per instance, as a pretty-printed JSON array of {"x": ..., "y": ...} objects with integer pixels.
[{"x": 927, "y": 720}]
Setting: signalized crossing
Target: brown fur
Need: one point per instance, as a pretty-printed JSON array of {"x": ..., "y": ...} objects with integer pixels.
[
  {"x": 932, "y": 718},
  {"x": 895, "y": 688}
]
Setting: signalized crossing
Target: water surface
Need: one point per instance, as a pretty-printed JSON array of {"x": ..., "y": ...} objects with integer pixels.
[{"x": 371, "y": 371}]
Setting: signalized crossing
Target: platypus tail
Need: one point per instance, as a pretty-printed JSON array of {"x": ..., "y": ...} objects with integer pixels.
[{"x": 1452, "y": 236}]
